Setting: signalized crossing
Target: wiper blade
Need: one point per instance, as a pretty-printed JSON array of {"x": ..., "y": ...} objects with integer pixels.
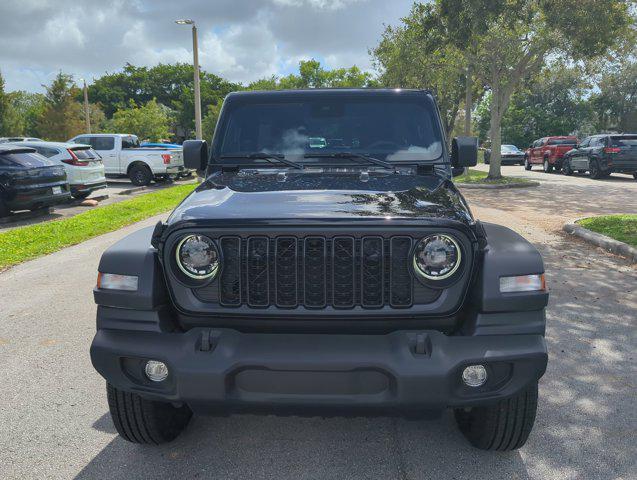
[
  {"x": 352, "y": 155},
  {"x": 270, "y": 157}
]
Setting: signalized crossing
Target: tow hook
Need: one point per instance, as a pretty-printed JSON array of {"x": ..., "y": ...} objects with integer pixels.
[{"x": 209, "y": 340}]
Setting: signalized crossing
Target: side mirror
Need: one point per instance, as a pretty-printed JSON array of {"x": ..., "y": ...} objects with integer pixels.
[
  {"x": 195, "y": 154},
  {"x": 464, "y": 152}
]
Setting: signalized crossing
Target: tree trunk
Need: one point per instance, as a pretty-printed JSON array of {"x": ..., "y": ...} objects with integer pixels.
[
  {"x": 468, "y": 106},
  {"x": 468, "y": 102},
  {"x": 496, "y": 134}
]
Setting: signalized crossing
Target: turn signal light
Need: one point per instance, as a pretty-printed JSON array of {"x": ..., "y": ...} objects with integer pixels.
[
  {"x": 523, "y": 283},
  {"x": 113, "y": 281}
]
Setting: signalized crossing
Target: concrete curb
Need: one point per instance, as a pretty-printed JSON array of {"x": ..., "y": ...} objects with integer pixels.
[
  {"x": 498, "y": 186},
  {"x": 128, "y": 191},
  {"x": 607, "y": 243},
  {"x": 26, "y": 215}
]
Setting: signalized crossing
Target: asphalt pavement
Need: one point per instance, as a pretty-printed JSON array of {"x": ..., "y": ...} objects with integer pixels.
[{"x": 54, "y": 420}]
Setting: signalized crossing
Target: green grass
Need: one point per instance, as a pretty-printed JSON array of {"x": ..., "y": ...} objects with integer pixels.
[
  {"x": 619, "y": 227},
  {"x": 479, "y": 177},
  {"x": 31, "y": 241}
]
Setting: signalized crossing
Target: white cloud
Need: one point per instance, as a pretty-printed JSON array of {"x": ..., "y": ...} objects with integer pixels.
[{"x": 239, "y": 40}]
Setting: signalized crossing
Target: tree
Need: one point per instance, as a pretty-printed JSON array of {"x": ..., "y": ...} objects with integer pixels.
[
  {"x": 616, "y": 101},
  {"x": 28, "y": 108},
  {"x": 169, "y": 85},
  {"x": 313, "y": 75},
  {"x": 148, "y": 122},
  {"x": 520, "y": 38},
  {"x": 9, "y": 121},
  {"x": 209, "y": 122},
  {"x": 62, "y": 115},
  {"x": 550, "y": 103},
  {"x": 419, "y": 54}
]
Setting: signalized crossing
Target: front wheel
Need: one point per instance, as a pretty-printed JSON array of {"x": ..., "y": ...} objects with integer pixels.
[
  {"x": 503, "y": 426},
  {"x": 527, "y": 165},
  {"x": 634, "y": 176},
  {"x": 594, "y": 170},
  {"x": 566, "y": 168},
  {"x": 546, "y": 166},
  {"x": 139, "y": 420}
]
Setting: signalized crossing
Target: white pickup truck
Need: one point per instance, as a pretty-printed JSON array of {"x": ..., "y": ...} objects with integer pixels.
[{"x": 122, "y": 155}]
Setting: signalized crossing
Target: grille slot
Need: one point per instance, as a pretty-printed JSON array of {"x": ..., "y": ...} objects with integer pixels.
[
  {"x": 314, "y": 269},
  {"x": 372, "y": 269},
  {"x": 230, "y": 284},
  {"x": 258, "y": 267},
  {"x": 400, "y": 282},
  {"x": 315, "y": 272},
  {"x": 343, "y": 272},
  {"x": 286, "y": 276}
]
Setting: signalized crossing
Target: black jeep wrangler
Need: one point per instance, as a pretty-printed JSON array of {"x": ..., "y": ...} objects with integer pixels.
[{"x": 327, "y": 265}]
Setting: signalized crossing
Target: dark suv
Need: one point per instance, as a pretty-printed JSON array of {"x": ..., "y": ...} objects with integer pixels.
[
  {"x": 602, "y": 155},
  {"x": 29, "y": 181},
  {"x": 327, "y": 265}
]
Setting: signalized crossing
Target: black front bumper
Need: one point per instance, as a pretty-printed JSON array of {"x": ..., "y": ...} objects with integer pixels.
[{"x": 223, "y": 369}]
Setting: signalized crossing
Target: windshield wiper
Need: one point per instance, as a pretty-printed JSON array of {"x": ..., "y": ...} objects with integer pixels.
[
  {"x": 352, "y": 155},
  {"x": 270, "y": 157}
]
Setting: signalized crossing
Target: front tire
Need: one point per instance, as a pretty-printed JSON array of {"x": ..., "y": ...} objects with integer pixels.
[
  {"x": 566, "y": 168},
  {"x": 4, "y": 210},
  {"x": 503, "y": 426},
  {"x": 634, "y": 176},
  {"x": 593, "y": 170},
  {"x": 527, "y": 165},
  {"x": 139, "y": 420},
  {"x": 546, "y": 166}
]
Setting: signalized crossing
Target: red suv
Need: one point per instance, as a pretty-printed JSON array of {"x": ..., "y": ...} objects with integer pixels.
[{"x": 548, "y": 152}]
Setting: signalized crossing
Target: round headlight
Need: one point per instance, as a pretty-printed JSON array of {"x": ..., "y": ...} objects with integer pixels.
[
  {"x": 197, "y": 257},
  {"x": 437, "y": 257}
]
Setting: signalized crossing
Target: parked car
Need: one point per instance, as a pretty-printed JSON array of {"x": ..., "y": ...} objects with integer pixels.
[
  {"x": 18, "y": 139},
  {"x": 601, "y": 155},
  {"x": 509, "y": 155},
  {"x": 123, "y": 156},
  {"x": 29, "y": 181},
  {"x": 84, "y": 167},
  {"x": 548, "y": 152},
  {"x": 327, "y": 264}
]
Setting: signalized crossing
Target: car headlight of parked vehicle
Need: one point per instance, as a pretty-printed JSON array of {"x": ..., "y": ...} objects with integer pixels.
[
  {"x": 197, "y": 257},
  {"x": 437, "y": 257}
]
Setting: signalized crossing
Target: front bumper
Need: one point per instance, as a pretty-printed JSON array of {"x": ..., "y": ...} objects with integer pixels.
[{"x": 223, "y": 369}]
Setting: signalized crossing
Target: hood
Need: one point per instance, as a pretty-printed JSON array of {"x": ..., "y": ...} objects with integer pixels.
[{"x": 321, "y": 196}]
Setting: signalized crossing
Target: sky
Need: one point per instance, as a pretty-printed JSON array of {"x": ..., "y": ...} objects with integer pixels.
[{"x": 240, "y": 40}]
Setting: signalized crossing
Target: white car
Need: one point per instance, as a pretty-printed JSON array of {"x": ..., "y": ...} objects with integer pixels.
[
  {"x": 122, "y": 155},
  {"x": 84, "y": 167}
]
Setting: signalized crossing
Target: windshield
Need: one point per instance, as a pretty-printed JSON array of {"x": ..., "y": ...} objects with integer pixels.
[
  {"x": 562, "y": 141},
  {"x": 624, "y": 141},
  {"x": 395, "y": 129},
  {"x": 25, "y": 160},
  {"x": 509, "y": 149}
]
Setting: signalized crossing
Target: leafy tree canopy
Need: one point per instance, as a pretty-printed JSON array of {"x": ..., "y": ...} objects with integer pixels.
[{"x": 149, "y": 121}]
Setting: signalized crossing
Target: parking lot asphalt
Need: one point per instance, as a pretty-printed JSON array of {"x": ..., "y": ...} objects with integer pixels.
[{"x": 54, "y": 420}]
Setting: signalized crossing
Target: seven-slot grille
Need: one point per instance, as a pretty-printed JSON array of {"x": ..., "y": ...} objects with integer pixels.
[{"x": 317, "y": 272}]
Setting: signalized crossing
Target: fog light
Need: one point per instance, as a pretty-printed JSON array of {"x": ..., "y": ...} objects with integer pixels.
[
  {"x": 474, "y": 375},
  {"x": 156, "y": 371}
]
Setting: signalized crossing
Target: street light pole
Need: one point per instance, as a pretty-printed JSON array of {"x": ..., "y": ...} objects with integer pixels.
[
  {"x": 87, "y": 115},
  {"x": 195, "y": 57}
]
